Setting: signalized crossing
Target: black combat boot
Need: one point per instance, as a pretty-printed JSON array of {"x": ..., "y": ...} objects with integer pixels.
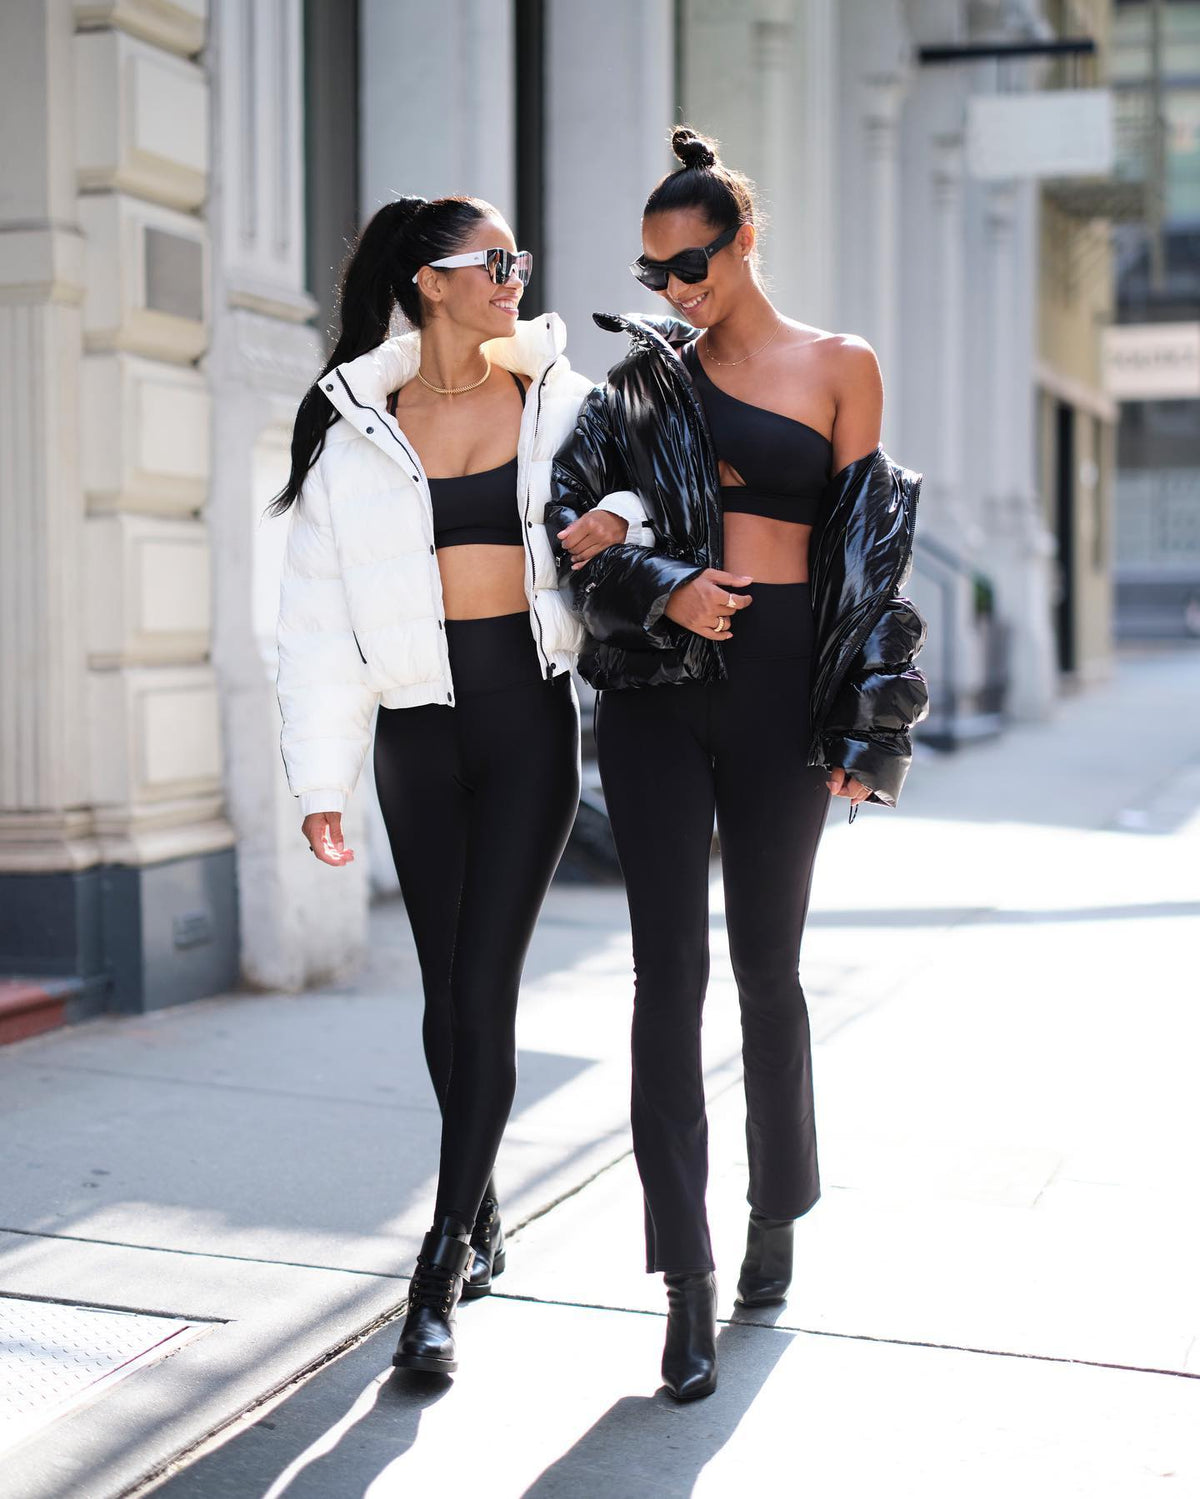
[
  {"x": 689, "y": 1362},
  {"x": 487, "y": 1251},
  {"x": 427, "y": 1338},
  {"x": 767, "y": 1269}
]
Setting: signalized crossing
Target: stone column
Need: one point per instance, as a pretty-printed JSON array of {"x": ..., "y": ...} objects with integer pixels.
[
  {"x": 774, "y": 90},
  {"x": 812, "y": 223},
  {"x": 1018, "y": 547},
  {"x": 48, "y": 851},
  {"x": 883, "y": 95},
  {"x": 763, "y": 80},
  {"x": 945, "y": 394},
  {"x": 301, "y": 921},
  {"x": 449, "y": 129},
  {"x": 115, "y": 789},
  {"x": 610, "y": 108}
]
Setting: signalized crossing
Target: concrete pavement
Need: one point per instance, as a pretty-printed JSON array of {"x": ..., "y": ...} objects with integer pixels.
[{"x": 997, "y": 1290}]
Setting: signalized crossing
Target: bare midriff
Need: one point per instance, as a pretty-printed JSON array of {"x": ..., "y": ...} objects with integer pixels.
[
  {"x": 769, "y": 551},
  {"x": 480, "y": 582}
]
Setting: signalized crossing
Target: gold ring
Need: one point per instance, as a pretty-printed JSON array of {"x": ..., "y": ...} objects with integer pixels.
[
  {"x": 731, "y": 602},
  {"x": 721, "y": 625}
]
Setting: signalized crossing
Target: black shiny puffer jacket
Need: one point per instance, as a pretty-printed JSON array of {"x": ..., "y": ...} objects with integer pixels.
[{"x": 644, "y": 430}]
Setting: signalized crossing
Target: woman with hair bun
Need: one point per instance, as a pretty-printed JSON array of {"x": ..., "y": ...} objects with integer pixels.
[
  {"x": 753, "y": 655},
  {"x": 419, "y": 578}
]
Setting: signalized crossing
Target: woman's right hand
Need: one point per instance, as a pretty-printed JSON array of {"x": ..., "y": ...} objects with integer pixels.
[
  {"x": 324, "y": 833},
  {"x": 708, "y": 602}
]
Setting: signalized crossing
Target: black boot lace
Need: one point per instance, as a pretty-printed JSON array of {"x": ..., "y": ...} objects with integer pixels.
[
  {"x": 431, "y": 1288},
  {"x": 481, "y": 1237}
]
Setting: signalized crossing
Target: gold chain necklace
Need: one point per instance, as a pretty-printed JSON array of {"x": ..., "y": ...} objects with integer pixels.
[
  {"x": 454, "y": 390},
  {"x": 729, "y": 363}
]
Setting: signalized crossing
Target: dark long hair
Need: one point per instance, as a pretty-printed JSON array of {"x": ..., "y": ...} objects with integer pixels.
[
  {"x": 401, "y": 238},
  {"x": 703, "y": 181}
]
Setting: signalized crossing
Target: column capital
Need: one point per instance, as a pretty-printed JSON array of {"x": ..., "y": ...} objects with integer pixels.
[
  {"x": 947, "y": 170},
  {"x": 884, "y": 94}
]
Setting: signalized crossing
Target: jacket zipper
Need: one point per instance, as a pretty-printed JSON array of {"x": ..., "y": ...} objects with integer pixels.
[
  {"x": 716, "y": 559},
  {"x": 540, "y": 640},
  {"x": 420, "y": 471}
]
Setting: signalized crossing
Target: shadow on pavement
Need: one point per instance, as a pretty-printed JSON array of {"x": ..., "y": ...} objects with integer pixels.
[
  {"x": 338, "y": 1435},
  {"x": 647, "y": 1445},
  {"x": 333, "y": 1436}
]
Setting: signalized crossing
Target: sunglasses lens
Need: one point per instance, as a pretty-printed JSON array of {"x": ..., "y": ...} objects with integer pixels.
[
  {"x": 653, "y": 277},
  {"x": 691, "y": 266},
  {"x": 502, "y": 263}
]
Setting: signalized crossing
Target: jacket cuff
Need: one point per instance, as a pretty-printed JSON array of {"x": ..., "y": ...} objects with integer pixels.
[
  {"x": 880, "y": 764},
  {"x": 321, "y": 800},
  {"x": 625, "y": 503},
  {"x": 628, "y": 505}
]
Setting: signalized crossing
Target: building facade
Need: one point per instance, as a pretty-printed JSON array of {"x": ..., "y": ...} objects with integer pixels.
[
  {"x": 1158, "y": 293},
  {"x": 169, "y": 245}
]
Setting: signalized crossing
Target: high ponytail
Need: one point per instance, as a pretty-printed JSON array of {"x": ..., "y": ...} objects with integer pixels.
[{"x": 399, "y": 239}]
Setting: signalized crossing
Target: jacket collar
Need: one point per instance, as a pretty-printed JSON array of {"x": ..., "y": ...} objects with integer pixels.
[
  {"x": 651, "y": 332},
  {"x": 373, "y": 376}
]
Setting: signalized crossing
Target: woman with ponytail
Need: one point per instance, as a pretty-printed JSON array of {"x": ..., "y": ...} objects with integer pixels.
[
  {"x": 419, "y": 580},
  {"x": 752, "y": 658}
]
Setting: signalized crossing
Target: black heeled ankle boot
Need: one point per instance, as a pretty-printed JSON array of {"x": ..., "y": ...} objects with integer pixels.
[
  {"x": 767, "y": 1269},
  {"x": 689, "y": 1362},
  {"x": 427, "y": 1338},
  {"x": 487, "y": 1251}
]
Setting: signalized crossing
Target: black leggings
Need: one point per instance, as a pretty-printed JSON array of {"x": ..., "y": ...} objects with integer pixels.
[
  {"x": 478, "y": 800},
  {"x": 669, "y": 756}
]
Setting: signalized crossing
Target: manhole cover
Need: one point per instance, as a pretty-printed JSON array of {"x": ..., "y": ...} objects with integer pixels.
[{"x": 54, "y": 1357}]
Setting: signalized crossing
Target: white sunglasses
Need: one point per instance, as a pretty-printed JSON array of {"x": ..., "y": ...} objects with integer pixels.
[{"x": 500, "y": 264}]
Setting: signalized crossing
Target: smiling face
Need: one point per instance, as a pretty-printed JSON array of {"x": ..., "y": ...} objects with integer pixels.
[
  {"x": 467, "y": 295},
  {"x": 665, "y": 235}
]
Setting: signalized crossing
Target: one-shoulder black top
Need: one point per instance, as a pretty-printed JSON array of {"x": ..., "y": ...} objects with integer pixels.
[
  {"x": 785, "y": 463},
  {"x": 476, "y": 509}
]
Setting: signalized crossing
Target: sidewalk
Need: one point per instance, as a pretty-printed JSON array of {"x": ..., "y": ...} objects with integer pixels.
[{"x": 996, "y": 1294}]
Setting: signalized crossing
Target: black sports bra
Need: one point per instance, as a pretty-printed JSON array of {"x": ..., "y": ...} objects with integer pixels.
[
  {"x": 785, "y": 463},
  {"x": 476, "y": 509}
]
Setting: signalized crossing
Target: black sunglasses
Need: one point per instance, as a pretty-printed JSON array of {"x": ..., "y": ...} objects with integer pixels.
[{"x": 689, "y": 265}]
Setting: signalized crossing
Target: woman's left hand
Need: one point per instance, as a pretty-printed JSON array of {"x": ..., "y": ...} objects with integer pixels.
[
  {"x": 841, "y": 784},
  {"x": 591, "y": 534}
]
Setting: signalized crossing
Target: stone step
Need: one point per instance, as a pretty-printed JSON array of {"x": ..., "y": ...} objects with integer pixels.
[{"x": 30, "y": 1006}]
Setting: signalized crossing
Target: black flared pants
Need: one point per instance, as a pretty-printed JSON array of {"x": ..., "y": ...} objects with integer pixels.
[{"x": 669, "y": 758}]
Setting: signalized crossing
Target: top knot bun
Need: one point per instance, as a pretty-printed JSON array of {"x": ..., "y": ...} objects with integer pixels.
[{"x": 693, "y": 150}]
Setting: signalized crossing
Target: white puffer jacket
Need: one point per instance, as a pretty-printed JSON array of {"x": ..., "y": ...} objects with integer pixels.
[{"x": 361, "y": 620}]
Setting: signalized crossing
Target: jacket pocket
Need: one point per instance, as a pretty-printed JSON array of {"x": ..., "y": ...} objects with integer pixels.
[{"x": 358, "y": 647}]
